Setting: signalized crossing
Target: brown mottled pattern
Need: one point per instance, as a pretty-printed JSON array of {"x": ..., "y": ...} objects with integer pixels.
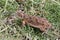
[{"x": 34, "y": 21}]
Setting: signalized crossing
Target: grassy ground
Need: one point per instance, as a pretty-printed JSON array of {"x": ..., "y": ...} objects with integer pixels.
[{"x": 49, "y": 9}]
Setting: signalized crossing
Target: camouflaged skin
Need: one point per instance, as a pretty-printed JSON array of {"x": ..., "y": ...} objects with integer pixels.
[{"x": 34, "y": 21}]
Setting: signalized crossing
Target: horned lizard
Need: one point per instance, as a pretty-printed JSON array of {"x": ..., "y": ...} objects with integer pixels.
[{"x": 34, "y": 21}]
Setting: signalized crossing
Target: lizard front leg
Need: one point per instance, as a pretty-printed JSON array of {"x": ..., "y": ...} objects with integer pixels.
[{"x": 23, "y": 23}]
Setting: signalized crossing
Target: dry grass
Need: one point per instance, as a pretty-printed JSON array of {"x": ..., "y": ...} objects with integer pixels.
[{"x": 49, "y": 9}]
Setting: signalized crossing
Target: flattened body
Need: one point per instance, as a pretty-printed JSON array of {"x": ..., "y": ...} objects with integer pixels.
[{"x": 35, "y": 21}]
